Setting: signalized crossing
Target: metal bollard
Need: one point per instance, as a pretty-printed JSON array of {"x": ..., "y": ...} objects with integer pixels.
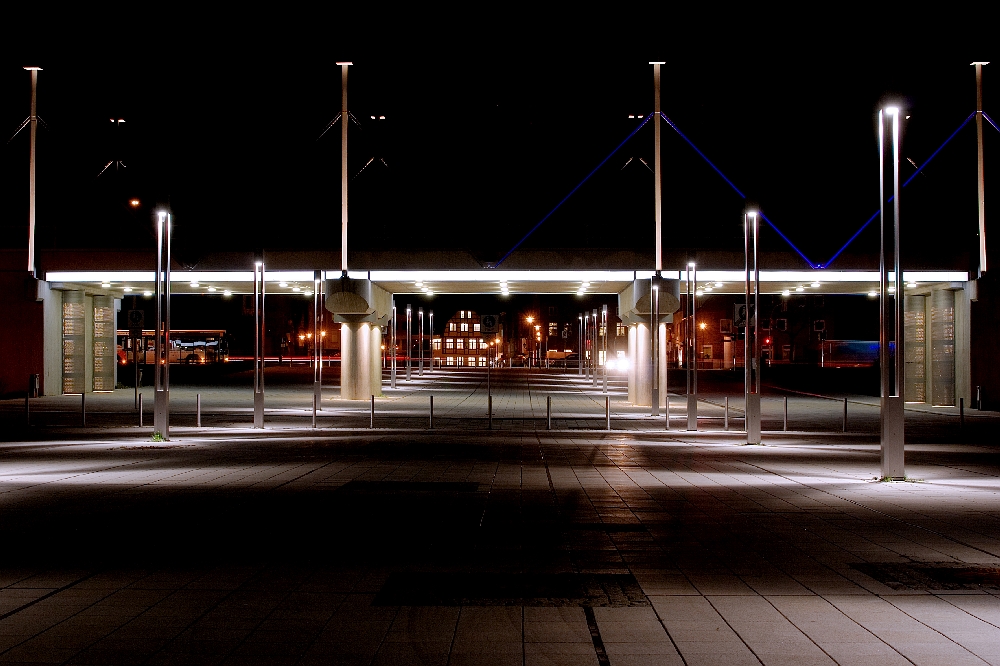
[
  {"x": 432, "y": 412},
  {"x": 725, "y": 422},
  {"x": 371, "y": 425},
  {"x": 197, "y": 403},
  {"x": 961, "y": 413},
  {"x": 83, "y": 410},
  {"x": 607, "y": 410},
  {"x": 314, "y": 410},
  {"x": 666, "y": 404},
  {"x": 845, "y": 415},
  {"x": 548, "y": 412},
  {"x": 784, "y": 422},
  {"x": 489, "y": 410},
  {"x": 140, "y": 410}
]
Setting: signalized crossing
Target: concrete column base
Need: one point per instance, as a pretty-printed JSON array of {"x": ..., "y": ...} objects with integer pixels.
[
  {"x": 161, "y": 413},
  {"x": 893, "y": 465},
  {"x": 752, "y": 418},
  {"x": 355, "y": 361}
]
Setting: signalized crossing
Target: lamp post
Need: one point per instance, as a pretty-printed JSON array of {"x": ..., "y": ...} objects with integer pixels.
[
  {"x": 420, "y": 337},
  {"x": 258, "y": 365},
  {"x": 980, "y": 181},
  {"x": 161, "y": 343},
  {"x": 890, "y": 305},
  {"x": 392, "y": 371},
  {"x": 344, "y": 121},
  {"x": 409, "y": 343},
  {"x": 692, "y": 355},
  {"x": 579, "y": 345},
  {"x": 317, "y": 341},
  {"x": 604, "y": 323},
  {"x": 531, "y": 332},
  {"x": 33, "y": 120},
  {"x": 751, "y": 348},
  {"x": 430, "y": 327}
]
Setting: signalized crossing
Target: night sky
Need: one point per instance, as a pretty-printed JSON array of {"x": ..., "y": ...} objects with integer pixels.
[{"x": 478, "y": 145}]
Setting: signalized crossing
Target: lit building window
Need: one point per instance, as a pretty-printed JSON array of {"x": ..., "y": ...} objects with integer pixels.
[
  {"x": 472, "y": 343},
  {"x": 622, "y": 330},
  {"x": 482, "y": 361},
  {"x": 461, "y": 314},
  {"x": 472, "y": 361},
  {"x": 553, "y": 328},
  {"x": 465, "y": 327},
  {"x": 451, "y": 326},
  {"x": 449, "y": 343},
  {"x": 437, "y": 344},
  {"x": 461, "y": 360},
  {"x": 450, "y": 360},
  {"x": 460, "y": 344},
  {"x": 475, "y": 327}
]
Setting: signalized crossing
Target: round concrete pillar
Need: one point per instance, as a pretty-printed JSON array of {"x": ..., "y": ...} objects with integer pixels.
[
  {"x": 355, "y": 361},
  {"x": 640, "y": 389}
]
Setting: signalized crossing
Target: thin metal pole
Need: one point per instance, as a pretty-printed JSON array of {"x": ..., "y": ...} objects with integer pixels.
[
  {"x": 981, "y": 181},
  {"x": 430, "y": 334},
  {"x": 344, "y": 122},
  {"x": 166, "y": 314},
  {"x": 140, "y": 410},
  {"x": 432, "y": 412},
  {"x": 579, "y": 339},
  {"x": 314, "y": 411},
  {"x": 489, "y": 410},
  {"x": 420, "y": 338},
  {"x": 409, "y": 345},
  {"x": 607, "y": 411},
  {"x": 158, "y": 341},
  {"x": 784, "y": 423},
  {"x": 898, "y": 299},
  {"x": 756, "y": 304},
  {"x": 317, "y": 343},
  {"x": 656, "y": 167},
  {"x": 392, "y": 371},
  {"x": 548, "y": 412},
  {"x": 197, "y": 403},
  {"x": 666, "y": 405},
  {"x": 694, "y": 329},
  {"x": 604, "y": 323},
  {"x": 33, "y": 120},
  {"x": 654, "y": 340},
  {"x": 725, "y": 422},
  {"x": 371, "y": 424},
  {"x": 597, "y": 331}
]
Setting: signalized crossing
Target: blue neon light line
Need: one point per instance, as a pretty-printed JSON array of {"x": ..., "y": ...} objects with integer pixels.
[
  {"x": 790, "y": 243},
  {"x": 737, "y": 190},
  {"x": 908, "y": 180},
  {"x": 573, "y": 191},
  {"x": 990, "y": 121},
  {"x": 708, "y": 161},
  {"x": 934, "y": 154}
]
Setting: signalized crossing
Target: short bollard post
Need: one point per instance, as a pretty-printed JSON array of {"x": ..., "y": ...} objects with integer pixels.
[
  {"x": 666, "y": 411},
  {"x": 548, "y": 412},
  {"x": 83, "y": 410},
  {"x": 725, "y": 421},
  {"x": 784, "y": 421},
  {"x": 845, "y": 415},
  {"x": 140, "y": 410},
  {"x": 432, "y": 412},
  {"x": 197, "y": 411},
  {"x": 961, "y": 413},
  {"x": 607, "y": 411},
  {"x": 489, "y": 411},
  {"x": 372, "y": 423},
  {"x": 314, "y": 410}
]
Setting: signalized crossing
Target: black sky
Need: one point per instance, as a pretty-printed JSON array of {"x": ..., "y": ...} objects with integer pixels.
[{"x": 481, "y": 143}]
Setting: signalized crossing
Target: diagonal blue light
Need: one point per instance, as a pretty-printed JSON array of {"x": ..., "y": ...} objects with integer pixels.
[
  {"x": 708, "y": 161},
  {"x": 572, "y": 192},
  {"x": 790, "y": 243},
  {"x": 908, "y": 180},
  {"x": 990, "y": 121},
  {"x": 737, "y": 190}
]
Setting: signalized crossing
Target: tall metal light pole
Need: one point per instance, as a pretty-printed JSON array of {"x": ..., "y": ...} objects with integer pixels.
[
  {"x": 597, "y": 332},
  {"x": 692, "y": 356},
  {"x": 259, "y": 337},
  {"x": 751, "y": 346},
  {"x": 654, "y": 335},
  {"x": 33, "y": 120},
  {"x": 344, "y": 121},
  {"x": 420, "y": 338},
  {"x": 317, "y": 340},
  {"x": 654, "y": 328},
  {"x": 161, "y": 344},
  {"x": 395, "y": 352},
  {"x": 981, "y": 182},
  {"x": 579, "y": 347},
  {"x": 409, "y": 344},
  {"x": 890, "y": 311},
  {"x": 430, "y": 327},
  {"x": 604, "y": 323}
]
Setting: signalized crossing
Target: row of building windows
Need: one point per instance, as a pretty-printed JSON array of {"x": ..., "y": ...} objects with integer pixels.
[
  {"x": 463, "y": 343},
  {"x": 471, "y": 361},
  {"x": 463, "y": 327}
]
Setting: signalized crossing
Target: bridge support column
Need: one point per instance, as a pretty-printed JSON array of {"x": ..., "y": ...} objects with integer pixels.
[{"x": 361, "y": 308}]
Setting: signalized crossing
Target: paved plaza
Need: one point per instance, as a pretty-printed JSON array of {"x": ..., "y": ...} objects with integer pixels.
[{"x": 464, "y": 544}]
